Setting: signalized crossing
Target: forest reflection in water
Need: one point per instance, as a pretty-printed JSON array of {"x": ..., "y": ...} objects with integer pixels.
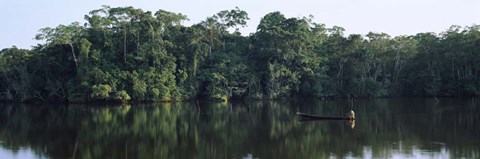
[{"x": 384, "y": 128}]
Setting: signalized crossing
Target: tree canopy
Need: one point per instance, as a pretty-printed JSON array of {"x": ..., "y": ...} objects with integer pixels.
[{"x": 127, "y": 54}]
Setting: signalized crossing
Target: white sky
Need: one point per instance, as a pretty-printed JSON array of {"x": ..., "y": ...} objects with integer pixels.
[{"x": 21, "y": 19}]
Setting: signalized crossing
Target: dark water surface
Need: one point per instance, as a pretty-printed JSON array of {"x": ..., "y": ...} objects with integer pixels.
[{"x": 384, "y": 128}]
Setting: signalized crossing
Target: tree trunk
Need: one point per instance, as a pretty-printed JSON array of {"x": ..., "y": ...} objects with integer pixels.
[
  {"x": 73, "y": 55},
  {"x": 340, "y": 69},
  {"x": 210, "y": 51},
  {"x": 125, "y": 46}
]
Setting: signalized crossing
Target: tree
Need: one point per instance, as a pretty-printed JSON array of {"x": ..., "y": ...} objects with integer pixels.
[
  {"x": 126, "y": 54},
  {"x": 63, "y": 35}
]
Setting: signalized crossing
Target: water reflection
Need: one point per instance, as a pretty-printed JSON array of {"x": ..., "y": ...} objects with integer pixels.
[
  {"x": 20, "y": 153},
  {"x": 384, "y": 128}
]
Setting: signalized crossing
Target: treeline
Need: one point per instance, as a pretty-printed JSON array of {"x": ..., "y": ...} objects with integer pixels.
[{"x": 127, "y": 54}]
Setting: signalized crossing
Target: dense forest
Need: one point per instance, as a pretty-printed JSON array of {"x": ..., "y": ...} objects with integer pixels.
[{"x": 127, "y": 54}]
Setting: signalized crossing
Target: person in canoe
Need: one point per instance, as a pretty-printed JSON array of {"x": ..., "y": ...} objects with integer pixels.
[
  {"x": 350, "y": 123},
  {"x": 350, "y": 114}
]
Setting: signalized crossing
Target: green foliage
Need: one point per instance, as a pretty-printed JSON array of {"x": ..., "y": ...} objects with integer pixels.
[
  {"x": 122, "y": 96},
  {"x": 101, "y": 91},
  {"x": 16, "y": 78},
  {"x": 124, "y": 54}
]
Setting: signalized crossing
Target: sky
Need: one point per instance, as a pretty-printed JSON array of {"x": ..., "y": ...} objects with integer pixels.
[{"x": 21, "y": 19}]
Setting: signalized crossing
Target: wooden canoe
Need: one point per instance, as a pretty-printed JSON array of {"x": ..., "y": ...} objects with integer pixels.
[{"x": 318, "y": 117}]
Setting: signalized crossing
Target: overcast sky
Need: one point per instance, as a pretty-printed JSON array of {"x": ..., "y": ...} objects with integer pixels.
[{"x": 21, "y": 19}]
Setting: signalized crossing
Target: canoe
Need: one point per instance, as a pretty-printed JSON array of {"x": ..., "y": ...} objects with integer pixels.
[{"x": 318, "y": 117}]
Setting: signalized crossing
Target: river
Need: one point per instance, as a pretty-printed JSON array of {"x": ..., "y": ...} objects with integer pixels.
[{"x": 384, "y": 128}]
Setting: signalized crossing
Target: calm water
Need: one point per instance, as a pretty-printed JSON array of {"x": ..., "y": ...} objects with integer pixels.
[{"x": 385, "y": 128}]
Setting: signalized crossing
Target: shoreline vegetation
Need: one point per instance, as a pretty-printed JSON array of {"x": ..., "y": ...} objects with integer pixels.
[{"x": 126, "y": 54}]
